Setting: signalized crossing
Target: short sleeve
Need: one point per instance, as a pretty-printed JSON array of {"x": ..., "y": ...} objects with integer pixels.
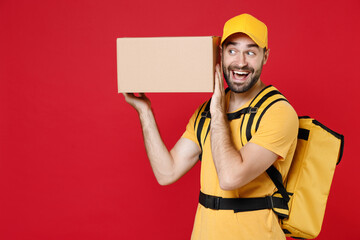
[
  {"x": 278, "y": 129},
  {"x": 190, "y": 128}
]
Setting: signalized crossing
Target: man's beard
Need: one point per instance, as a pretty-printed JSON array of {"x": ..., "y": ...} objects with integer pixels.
[{"x": 241, "y": 88}]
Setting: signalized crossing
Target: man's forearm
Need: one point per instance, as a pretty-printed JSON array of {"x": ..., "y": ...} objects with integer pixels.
[
  {"x": 226, "y": 158},
  {"x": 160, "y": 159}
]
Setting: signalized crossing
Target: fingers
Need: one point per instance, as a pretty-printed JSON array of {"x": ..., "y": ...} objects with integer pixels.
[
  {"x": 218, "y": 101},
  {"x": 143, "y": 96},
  {"x": 128, "y": 96},
  {"x": 218, "y": 71},
  {"x": 132, "y": 96},
  {"x": 216, "y": 83},
  {"x": 140, "y": 102},
  {"x": 219, "y": 83},
  {"x": 220, "y": 76}
]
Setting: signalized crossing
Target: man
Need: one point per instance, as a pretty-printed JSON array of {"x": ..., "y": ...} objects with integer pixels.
[{"x": 229, "y": 170}]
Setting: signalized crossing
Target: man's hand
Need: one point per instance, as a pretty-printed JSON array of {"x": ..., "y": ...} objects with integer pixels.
[
  {"x": 141, "y": 103},
  {"x": 217, "y": 105}
]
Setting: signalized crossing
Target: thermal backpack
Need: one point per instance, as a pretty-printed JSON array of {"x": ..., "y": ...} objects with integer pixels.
[{"x": 300, "y": 201}]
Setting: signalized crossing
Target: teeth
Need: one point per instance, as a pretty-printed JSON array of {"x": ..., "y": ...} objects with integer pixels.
[{"x": 240, "y": 73}]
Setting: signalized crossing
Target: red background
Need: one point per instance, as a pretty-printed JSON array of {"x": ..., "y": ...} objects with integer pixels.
[{"x": 72, "y": 161}]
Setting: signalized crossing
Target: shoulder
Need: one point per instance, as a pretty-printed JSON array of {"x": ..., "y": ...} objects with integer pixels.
[
  {"x": 282, "y": 109},
  {"x": 278, "y": 128},
  {"x": 282, "y": 118}
]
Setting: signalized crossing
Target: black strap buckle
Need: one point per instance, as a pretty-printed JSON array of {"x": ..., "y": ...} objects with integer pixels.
[
  {"x": 206, "y": 114},
  {"x": 213, "y": 202},
  {"x": 253, "y": 110},
  {"x": 269, "y": 202}
]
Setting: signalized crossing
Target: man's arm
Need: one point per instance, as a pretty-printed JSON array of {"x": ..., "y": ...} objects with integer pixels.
[
  {"x": 234, "y": 168},
  {"x": 167, "y": 166}
]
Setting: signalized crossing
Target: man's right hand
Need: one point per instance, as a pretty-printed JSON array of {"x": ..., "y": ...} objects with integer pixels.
[{"x": 141, "y": 103}]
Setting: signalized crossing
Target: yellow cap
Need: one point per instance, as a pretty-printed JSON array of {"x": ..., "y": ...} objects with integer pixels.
[{"x": 245, "y": 23}]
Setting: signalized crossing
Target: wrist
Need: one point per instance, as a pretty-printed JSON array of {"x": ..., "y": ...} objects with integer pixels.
[
  {"x": 144, "y": 111},
  {"x": 218, "y": 114}
]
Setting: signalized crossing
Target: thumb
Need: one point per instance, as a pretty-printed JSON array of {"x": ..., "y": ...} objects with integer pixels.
[{"x": 218, "y": 79}]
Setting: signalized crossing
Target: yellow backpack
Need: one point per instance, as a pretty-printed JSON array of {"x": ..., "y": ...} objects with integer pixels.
[{"x": 300, "y": 202}]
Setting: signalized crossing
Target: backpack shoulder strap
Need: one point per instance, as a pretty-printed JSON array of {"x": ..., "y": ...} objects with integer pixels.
[
  {"x": 250, "y": 124},
  {"x": 259, "y": 105},
  {"x": 202, "y": 121}
]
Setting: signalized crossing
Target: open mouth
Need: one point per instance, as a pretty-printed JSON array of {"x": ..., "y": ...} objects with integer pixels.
[{"x": 240, "y": 75}]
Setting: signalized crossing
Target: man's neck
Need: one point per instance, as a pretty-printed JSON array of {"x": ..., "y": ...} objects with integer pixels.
[{"x": 237, "y": 100}]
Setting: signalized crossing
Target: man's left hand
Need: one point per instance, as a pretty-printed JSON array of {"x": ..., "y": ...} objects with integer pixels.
[{"x": 217, "y": 105}]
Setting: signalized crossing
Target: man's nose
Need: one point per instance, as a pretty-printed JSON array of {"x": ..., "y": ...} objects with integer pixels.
[{"x": 241, "y": 60}]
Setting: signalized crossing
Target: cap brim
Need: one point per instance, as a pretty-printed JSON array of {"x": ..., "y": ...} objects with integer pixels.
[{"x": 259, "y": 43}]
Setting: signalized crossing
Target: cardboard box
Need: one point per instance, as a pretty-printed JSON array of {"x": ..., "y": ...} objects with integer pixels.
[{"x": 167, "y": 64}]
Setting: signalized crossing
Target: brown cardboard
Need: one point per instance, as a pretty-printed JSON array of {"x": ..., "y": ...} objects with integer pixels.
[{"x": 167, "y": 64}]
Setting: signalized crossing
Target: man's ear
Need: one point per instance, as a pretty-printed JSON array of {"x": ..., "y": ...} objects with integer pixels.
[{"x": 266, "y": 55}]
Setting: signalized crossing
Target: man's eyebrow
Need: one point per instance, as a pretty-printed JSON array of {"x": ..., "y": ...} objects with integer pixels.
[
  {"x": 231, "y": 43},
  {"x": 253, "y": 45},
  {"x": 248, "y": 45}
]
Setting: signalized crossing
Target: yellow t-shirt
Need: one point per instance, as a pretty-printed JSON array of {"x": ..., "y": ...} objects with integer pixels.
[{"x": 277, "y": 132}]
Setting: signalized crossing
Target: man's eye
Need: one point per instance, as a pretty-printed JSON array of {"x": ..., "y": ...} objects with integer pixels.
[
  {"x": 232, "y": 51},
  {"x": 251, "y": 53}
]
